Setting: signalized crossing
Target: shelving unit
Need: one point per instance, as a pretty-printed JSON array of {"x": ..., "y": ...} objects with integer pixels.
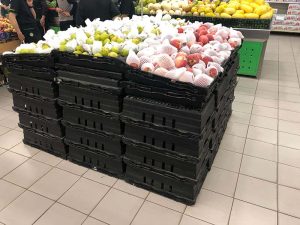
[{"x": 279, "y": 20}]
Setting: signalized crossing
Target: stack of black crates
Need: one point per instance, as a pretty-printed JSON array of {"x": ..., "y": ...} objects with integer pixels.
[
  {"x": 91, "y": 98},
  {"x": 173, "y": 130},
  {"x": 100, "y": 113},
  {"x": 35, "y": 92}
]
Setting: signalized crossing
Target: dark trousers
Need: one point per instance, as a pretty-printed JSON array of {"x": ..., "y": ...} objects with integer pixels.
[{"x": 64, "y": 25}]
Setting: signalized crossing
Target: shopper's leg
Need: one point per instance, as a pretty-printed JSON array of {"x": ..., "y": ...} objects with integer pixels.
[{"x": 64, "y": 25}]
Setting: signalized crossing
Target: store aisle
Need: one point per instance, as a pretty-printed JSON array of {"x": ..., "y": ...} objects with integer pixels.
[{"x": 255, "y": 179}]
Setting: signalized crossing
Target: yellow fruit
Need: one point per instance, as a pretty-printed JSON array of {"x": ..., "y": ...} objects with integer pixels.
[
  {"x": 237, "y": 15},
  {"x": 267, "y": 15},
  {"x": 225, "y": 15},
  {"x": 254, "y": 5},
  {"x": 195, "y": 14},
  {"x": 235, "y": 5},
  {"x": 229, "y": 11},
  {"x": 251, "y": 16},
  {"x": 260, "y": 2},
  {"x": 239, "y": 11},
  {"x": 260, "y": 10},
  {"x": 246, "y": 8},
  {"x": 211, "y": 14},
  {"x": 219, "y": 9},
  {"x": 194, "y": 9}
]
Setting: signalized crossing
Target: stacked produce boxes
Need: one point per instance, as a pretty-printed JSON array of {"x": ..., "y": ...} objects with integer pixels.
[
  {"x": 173, "y": 130},
  {"x": 91, "y": 97},
  {"x": 35, "y": 92}
]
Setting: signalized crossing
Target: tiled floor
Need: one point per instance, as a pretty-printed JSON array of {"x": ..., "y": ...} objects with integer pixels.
[{"x": 255, "y": 179}]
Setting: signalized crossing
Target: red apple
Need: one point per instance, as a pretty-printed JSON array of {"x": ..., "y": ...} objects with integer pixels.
[
  {"x": 180, "y": 61},
  {"x": 207, "y": 59},
  {"x": 193, "y": 59},
  {"x": 203, "y": 39},
  {"x": 180, "y": 30},
  {"x": 210, "y": 37},
  {"x": 176, "y": 43}
]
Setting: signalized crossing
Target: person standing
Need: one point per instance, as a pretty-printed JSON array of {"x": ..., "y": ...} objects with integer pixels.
[
  {"x": 40, "y": 8},
  {"x": 4, "y": 7},
  {"x": 126, "y": 8},
  {"x": 23, "y": 18},
  {"x": 93, "y": 9},
  {"x": 65, "y": 13}
]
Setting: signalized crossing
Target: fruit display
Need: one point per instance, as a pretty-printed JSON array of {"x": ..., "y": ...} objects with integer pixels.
[
  {"x": 171, "y": 48},
  {"x": 5, "y": 26},
  {"x": 242, "y": 9}
]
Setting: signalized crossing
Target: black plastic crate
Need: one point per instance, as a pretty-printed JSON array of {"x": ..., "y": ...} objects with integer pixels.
[
  {"x": 102, "y": 63},
  {"x": 40, "y": 106},
  {"x": 96, "y": 160},
  {"x": 168, "y": 139},
  {"x": 42, "y": 124},
  {"x": 165, "y": 162},
  {"x": 104, "y": 99},
  {"x": 54, "y": 145},
  {"x": 183, "y": 190},
  {"x": 87, "y": 74},
  {"x": 30, "y": 71},
  {"x": 95, "y": 141},
  {"x": 175, "y": 98},
  {"x": 33, "y": 86},
  {"x": 227, "y": 82},
  {"x": 33, "y": 60},
  {"x": 93, "y": 120},
  {"x": 162, "y": 114},
  {"x": 86, "y": 81}
]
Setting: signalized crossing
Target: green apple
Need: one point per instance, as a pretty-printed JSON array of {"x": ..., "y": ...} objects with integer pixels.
[
  {"x": 104, "y": 51},
  {"x": 98, "y": 54},
  {"x": 124, "y": 52},
  {"x": 89, "y": 41},
  {"x": 104, "y": 36},
  {"x": 79, "y": 48},
  {"x": 85, "y": 53},
  {"x": 97, "y": 37},
  {"x": 45, "y": 46},
  {"x": 120, "y": 40},
  {"x": 77, "y": 52},
  {"x": 113, "y": 54},
  {"x": 140, "y": 29},
  {"x": 87, "y": 34},
  {"x": 73, "y": 36},
  {"x": 62, "y": 48},
  {"x": 106, "y": 41},
  {"x": 136, "y": 41},
  {"x": 115, "y": 49}
]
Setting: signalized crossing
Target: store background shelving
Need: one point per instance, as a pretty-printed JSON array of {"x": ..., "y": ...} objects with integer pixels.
[{"x": 280, "y": 21}]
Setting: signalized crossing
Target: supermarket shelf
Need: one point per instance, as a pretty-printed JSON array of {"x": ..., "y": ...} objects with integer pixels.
[
  {"x": 286, "y": 31},
  {"x": 281, "y": 2}
]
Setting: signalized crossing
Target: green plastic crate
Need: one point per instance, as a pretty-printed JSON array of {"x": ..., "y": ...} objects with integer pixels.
[{"x": 250, "y": 54}]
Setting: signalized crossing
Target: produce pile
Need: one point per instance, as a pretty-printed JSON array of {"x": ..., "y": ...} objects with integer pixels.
[
  {"x": 5, "y": 26},
  {"x": 171, "y": 48},
  {"x": 249, "y": 9}
]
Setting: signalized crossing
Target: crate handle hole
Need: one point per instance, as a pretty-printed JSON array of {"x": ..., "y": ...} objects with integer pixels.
[
  {"x": 145, "y": 139},
  {"x": 102, "y": 146},
  {"x": 96, "y": 144},
  {"x": 173, "y": 123},
  {"x": 172, "y": 168},
  {"x": 153, "y": 141},
  {"x": 145, "y": 159},
  {"x": 81, "y": 140},
  {"x": 99, "y": 105},
  {"x": 153, "y": 162},
  {"x": 152, "y": 182},
  {"x": 82, "y": 101},
  {"x": 101, "y": 126},
  {"x": 76, "y": 99},
  {"x": 152, "y": 118},
  {"x": 164, "y": 144},
  {"x": 79, "y": 122},
  {"x": 162, "y": 186},
  {"x": 163, "y": 166},
  {"x": 88, "y": 142},
  {"x": 144, "y": 116},
  {"x": 85, "y": 122},
  {"x": 91, "y": 103},
  {"x": 173, "y": 147},
  {"x": 164, "y": 121},
  {"x": 94, "y": 124},
  {"x": 145, "y": 180}
]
